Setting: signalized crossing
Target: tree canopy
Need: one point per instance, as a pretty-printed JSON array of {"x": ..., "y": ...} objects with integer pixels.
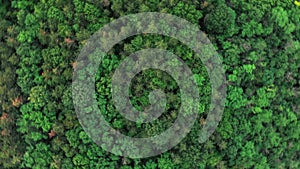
[{"x": 259, "y": 42}]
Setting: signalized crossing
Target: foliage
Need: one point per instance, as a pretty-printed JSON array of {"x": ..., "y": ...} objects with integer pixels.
[
  {"x": 221, "y": 20},
  {"x": 259, "y": 42}
]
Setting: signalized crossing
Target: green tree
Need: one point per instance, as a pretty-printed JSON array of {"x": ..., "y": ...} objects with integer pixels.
[{"x": 221, "y": 20}]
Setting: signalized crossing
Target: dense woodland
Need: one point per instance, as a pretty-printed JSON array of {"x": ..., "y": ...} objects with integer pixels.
[{"x": 259, "y": 41}]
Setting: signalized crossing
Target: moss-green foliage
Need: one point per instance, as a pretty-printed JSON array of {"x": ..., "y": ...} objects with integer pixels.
[
  {"x": 259, "y": 42},
  {"x": 11, "y": 147},
  {"x": 221, "y": 20}
]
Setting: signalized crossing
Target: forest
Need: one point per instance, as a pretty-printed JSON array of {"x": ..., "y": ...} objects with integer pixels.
[{"x": 259, "y": 45}]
